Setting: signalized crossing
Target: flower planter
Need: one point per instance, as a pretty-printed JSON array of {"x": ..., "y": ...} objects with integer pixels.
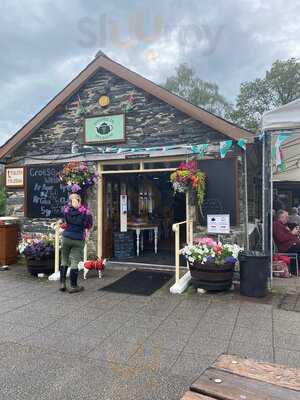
[
  {"x": 211, "y": 276},
  {"x": 45, "y": 266}
]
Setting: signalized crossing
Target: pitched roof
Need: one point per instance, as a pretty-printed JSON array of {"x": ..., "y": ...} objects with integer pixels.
[{"x": 101, "y": 61}]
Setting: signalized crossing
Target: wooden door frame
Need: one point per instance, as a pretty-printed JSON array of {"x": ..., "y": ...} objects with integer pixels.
[{"x": 100, "y": 187}]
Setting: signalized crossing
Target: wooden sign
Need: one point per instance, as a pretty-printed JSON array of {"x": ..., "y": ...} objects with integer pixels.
[
  {"x": 14, "y": 177},
  {"x": 137, "y": 155},
  {"x": 104, "y": 129}
]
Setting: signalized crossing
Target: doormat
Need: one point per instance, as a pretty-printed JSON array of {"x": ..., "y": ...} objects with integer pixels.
[
  {"x": 142, "y": 283},
  {"x": 290, "y": 302}
]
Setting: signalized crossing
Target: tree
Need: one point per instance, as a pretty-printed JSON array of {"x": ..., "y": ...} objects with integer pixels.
[
  {"x": 2, "y": 201},
  {"x": 280, "y": 85},
  {"x": 198, "y": 92}
]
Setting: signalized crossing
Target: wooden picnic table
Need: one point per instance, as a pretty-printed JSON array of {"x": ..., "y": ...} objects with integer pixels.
[{"x": 234, "y": 378}]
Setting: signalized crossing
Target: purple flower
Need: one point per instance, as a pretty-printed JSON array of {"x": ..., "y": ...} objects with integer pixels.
[
  {"x": 230, "y": 260},
  {"x": 75, "y": 188},
  {"x": 210, "y": 259},
  {"x": 39, "y": 250},
  {"x": 66, "y": 209}
]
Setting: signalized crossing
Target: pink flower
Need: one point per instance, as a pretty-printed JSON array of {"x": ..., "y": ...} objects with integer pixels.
[
  {"x": 205, "y": 241},
  {"x": 217, "y": 248}
]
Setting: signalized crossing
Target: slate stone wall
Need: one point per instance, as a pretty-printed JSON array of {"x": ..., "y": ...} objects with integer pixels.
[{"x": 150, "y": 123}]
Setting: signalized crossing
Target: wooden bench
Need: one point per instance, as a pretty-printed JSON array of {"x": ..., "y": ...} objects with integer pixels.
[{"x": 234, "y": 378}]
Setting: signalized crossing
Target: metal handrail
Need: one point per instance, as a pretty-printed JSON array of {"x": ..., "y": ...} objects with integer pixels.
[
  {"x": 56, "y": 246},
  {"x": 190, "y": 230}
]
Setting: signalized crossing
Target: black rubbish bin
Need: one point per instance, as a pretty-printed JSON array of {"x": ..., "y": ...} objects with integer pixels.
[{"x": 254, "y": 272}]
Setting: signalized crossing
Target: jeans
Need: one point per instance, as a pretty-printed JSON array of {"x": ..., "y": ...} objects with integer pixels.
[{"x": 71, "y": 252}]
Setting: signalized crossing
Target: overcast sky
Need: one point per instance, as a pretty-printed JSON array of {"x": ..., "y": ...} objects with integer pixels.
[{"x": 44, "y": 44}]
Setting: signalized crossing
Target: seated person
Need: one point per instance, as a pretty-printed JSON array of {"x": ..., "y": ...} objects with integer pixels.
[
  {"x": 294, "y": 217},
  {"x": 294, "y": 228},
  {"x": 285, "y": 239}
]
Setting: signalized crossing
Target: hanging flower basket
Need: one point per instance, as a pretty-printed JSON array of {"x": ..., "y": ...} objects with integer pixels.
[
  {"x": 78, "y": 176},
  {"x": 188, "y": 178}
]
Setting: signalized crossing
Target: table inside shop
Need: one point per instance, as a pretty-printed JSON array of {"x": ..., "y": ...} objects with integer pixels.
[
  {"x": 235, "y": 378},
  {"x": 139, "y": 229}
]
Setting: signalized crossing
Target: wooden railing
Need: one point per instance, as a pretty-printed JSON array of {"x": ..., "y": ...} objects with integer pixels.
[
  {"x": 189, "y": 240},
  {"x": 57, "y": 241}
]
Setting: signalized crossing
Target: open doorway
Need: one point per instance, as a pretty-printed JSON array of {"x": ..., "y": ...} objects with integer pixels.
[{"x": 152, "y": 209}]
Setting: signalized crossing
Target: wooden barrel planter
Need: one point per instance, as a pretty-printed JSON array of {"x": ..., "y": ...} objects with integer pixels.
[
  {"x": 36, "y": 267},
  {"x": 211, "y": 276}
]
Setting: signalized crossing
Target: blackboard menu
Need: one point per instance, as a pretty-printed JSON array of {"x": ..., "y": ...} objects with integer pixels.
[
  {"x": 46, "y": 195},
  {"x": 221, "y": 188}
]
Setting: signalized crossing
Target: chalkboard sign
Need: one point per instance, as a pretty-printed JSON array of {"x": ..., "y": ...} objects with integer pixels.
[
  {"x": 46, "y": 195},
  {"x": 220, "y": 191}
]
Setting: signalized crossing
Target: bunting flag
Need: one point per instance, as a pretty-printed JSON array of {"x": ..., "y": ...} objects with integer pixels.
[
  {"x": 225, "y": 146},
  {"x": 277, "y": 151},
  {"x": 198, "y": 150},
  {"x": 242, "y": 143},
  {"x": 128, "y": 105},
  {"x": 261, "y": 135},
  {"x": 80, "y": 109}
]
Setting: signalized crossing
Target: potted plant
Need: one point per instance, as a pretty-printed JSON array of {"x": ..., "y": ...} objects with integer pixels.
[
  {"x": 211, "y": 264},
  {"x": 187, "y": 178},
  {"x": 78, "y": 176},
  {"x": 39, "y": 253}
]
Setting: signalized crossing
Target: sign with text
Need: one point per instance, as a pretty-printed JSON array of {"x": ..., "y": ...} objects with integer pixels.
[
  {"x": 218, "y": 223},
  {"x": 14, "y": 177},
  {"x": 45, "y": 194},
  {"x": 104, "y": 129},
  {"x": 123, "y": 213}
]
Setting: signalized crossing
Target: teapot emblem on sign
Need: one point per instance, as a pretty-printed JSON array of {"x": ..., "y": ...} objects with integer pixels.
[{"x": 104, "y": 128}]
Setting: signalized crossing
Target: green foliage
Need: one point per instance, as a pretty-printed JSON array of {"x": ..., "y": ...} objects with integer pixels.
[
  {"x": 198, "y": 92},
  {"x": 280, "y": 85},
  {"x": 2, "y": 202}
]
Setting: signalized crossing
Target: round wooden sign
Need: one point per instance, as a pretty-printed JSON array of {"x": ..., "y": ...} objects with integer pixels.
[{"x": 104, "y": 101}]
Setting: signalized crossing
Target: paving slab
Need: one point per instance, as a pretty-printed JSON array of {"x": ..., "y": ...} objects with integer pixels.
[
  {"x": 287, "y": 341},
  {"x": 256, "y": 351},
  {"x": 153, "y": 359},
  {"x": 97, "y": 344},
  {"x": 287, "y": 357},
  {"x": 255, "y": 336},
  {"x": 191, "y": 365},
  {"x": 207, "y": 346},
  {"x": 30, "y": 318}
]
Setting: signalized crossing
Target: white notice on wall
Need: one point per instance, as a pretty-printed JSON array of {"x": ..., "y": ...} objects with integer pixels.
[
  {"x": 218, "y": 223},
  {"x": 123, "y": 213}
]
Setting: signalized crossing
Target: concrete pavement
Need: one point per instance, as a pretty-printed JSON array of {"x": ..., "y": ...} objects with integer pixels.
[{"x": 100, "y": 345}]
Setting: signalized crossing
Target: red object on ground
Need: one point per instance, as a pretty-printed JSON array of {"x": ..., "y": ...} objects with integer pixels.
[{"x": 97, "y": 264}]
